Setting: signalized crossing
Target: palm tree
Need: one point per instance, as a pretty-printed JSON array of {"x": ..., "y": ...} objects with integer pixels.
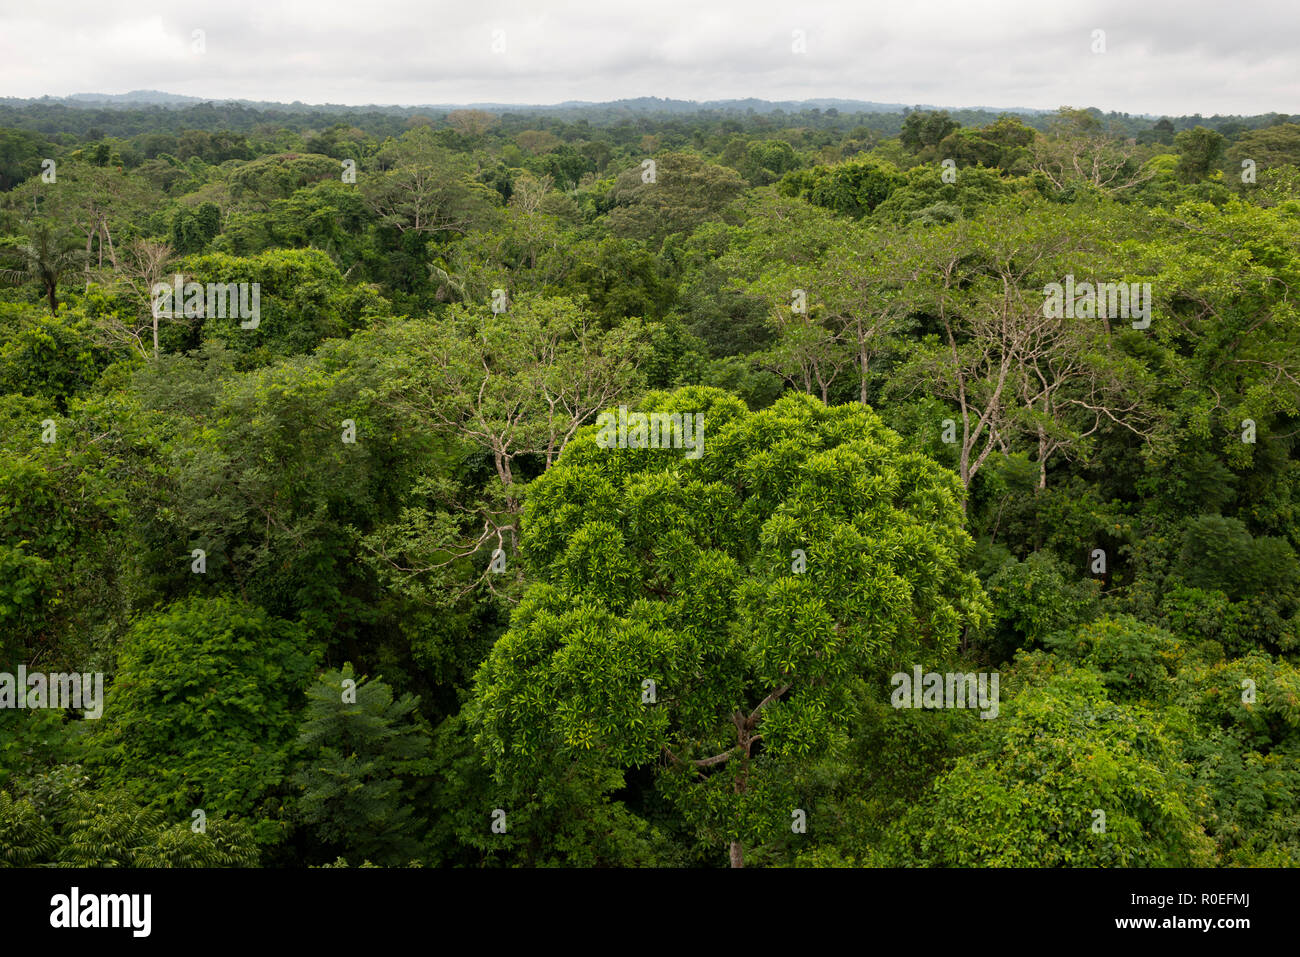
[{"x": 43, "y": 256}]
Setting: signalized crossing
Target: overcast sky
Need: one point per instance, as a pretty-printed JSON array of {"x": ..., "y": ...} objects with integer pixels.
[{"x": 1160, "y": 57}]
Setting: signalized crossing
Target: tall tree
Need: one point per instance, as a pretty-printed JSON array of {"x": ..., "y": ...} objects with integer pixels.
[
  {"x": 667, "y": 624},
  {"x": 516, "y": 384},
  {"x": 360, "y": 742},
  {"x": 423, "y": 188},
  {"x": 44, "y": 255},
  {"x": 1077, "y": 149}
]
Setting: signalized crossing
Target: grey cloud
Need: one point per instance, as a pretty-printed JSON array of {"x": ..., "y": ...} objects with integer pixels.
[{"x": 1161, "y": 57}]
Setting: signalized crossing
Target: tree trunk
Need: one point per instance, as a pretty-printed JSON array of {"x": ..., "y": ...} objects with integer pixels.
[
  {"x": 963, "y": 466},
  {"x": 863, "y": 360},
  {"x": 503, "y": 468},
  {"x": 112, "y": 253},
  {"x": 746, "y": 742},
  {"x": 90, "y": 239},
  {"x": 51, "y": 290}
]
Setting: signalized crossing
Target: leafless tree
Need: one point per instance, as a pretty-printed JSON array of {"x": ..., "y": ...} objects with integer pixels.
[{"x": 143, "y": 264}]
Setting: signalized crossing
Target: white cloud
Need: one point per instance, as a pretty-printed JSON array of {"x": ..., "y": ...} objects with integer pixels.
[{"x": 1160, "y": 57}]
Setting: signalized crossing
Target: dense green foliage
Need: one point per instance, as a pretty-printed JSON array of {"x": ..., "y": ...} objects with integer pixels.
[{"x": 598, "y": 654}]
